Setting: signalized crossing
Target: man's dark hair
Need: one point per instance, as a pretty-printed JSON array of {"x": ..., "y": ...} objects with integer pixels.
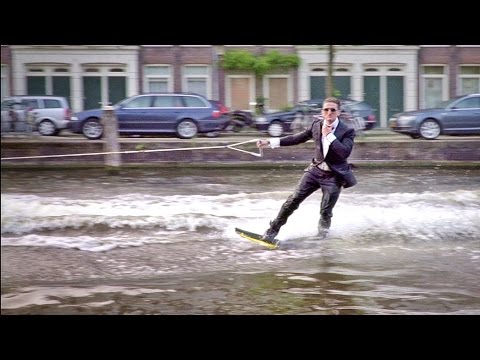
[{"x": 333, "y": 100}]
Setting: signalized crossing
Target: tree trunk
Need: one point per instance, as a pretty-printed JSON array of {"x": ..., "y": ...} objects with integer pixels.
[{"x": 329, "y": 82}]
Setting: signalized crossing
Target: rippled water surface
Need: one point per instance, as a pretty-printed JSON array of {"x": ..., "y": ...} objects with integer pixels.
[{"x": 162, "y": 241}]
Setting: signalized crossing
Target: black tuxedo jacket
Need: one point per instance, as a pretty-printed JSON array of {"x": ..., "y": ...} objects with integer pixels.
[{"x": 338, "y": 152}]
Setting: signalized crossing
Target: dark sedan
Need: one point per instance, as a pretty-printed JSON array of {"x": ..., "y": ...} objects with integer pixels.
[
  {"x": 458, "y": 116},
  {"x": 353, "y": 108},
  {"x": 280, "y": 122},
  {"x": 299, "y": 118},
  {"x": 183, "y": 115}
]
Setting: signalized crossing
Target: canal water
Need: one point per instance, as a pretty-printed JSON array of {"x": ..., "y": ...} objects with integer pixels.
[{"x": 163, "y": 241}]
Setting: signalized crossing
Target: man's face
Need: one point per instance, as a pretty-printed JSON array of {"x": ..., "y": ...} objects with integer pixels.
[{"x": 330, "y": 112}]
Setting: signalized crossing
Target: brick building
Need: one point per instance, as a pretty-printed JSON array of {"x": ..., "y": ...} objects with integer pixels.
[{"x": 390, "y": 77}]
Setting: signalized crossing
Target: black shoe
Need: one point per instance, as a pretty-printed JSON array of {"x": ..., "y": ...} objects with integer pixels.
[
  {"x": 322, "y": 234},
  {"x": 270, "y": 235},
  {"x": 324, "y": 223}
]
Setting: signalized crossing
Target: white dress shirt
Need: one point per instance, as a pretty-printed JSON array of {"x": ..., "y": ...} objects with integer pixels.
[{"x": 327, "y": 140}]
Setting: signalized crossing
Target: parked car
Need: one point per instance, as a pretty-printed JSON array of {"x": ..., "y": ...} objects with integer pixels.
[
  {"x": 182, "y": 114},
  {"x": 457, "y": 116},
  {"x": 354, "y": 107},
  {"x": 300, "y": 117},
  {"x": 281, "y": 122},
  {"x": 46, "y": 114}
]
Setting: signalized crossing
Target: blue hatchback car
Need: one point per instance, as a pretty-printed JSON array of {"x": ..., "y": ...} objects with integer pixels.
[{"x": 182, "y": 114}]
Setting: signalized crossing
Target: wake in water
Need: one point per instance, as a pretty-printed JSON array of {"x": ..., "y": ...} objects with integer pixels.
[{"x": 133, "y": 220}]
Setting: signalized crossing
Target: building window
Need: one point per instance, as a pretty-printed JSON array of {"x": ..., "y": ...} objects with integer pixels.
[
  {"x": 433, "y": 86},
  {"x": 103, "y": 84},
  {"x": 47, "y": 79},
  {"x": 196, "y": 79},
  {"x": 469, "y": 79},
  {"x": 318, "y": 80},
  {"x": 157, "y": 78}
]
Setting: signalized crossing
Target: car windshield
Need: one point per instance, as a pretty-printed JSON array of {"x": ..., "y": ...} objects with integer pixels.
[
  {"x": 359, "y": 106},
  {"x": 121, "y": 102},
  {"x": 446, "y": 103},
  {"x": 300, "y": 107}
]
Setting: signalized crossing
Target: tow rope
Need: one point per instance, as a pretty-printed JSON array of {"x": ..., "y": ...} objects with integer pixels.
[{"x": 231, "y": 147}]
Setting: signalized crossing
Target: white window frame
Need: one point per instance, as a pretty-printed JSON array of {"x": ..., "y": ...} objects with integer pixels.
[
  {"x": 148, "y": 78},
  {"x": 48, "y": 72},
  {"x": 104, "y": 71},
  {"x": 424, "y": 77},
  {"x": 339, "y": 69},
  {"x": 462, "y": 77},
  {"x": 207, "y": 77}
]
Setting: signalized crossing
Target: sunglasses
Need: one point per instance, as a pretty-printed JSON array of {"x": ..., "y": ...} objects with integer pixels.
[{"x": 328, "y": 109}]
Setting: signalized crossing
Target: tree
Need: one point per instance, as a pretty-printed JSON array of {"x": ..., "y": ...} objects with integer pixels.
[{"x": 329, "y": 83}]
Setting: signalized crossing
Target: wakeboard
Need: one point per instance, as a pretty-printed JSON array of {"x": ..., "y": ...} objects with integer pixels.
[{"x": 257, "y": 238}]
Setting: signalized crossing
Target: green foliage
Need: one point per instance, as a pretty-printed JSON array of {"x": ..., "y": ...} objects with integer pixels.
[
  {"x": 286, "y": 108},
  {"x": 261, "y": 99},
  {"x": 262, "y": 64},
  {"x": 278, "y": 60},
  {"x": 238, "y": 60},
  {"x": 260, "y": 107},
  {"x": 337, "y": 93}
]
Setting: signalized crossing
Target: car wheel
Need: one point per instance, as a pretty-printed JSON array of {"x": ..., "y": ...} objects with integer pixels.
[
  {"x": 275, "y": 129},
  {"x": 187, "y": 129},
  {"x": 359, "y": 123},
  {"x": 92, "y": 129},
  {"x": 297, "y": 123},
  {"x": 47, "y": 128},
  {"x": 430, "y": 129}
]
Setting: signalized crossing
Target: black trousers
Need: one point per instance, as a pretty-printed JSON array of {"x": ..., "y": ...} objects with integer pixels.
[{"x": 313, "y": 179}]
